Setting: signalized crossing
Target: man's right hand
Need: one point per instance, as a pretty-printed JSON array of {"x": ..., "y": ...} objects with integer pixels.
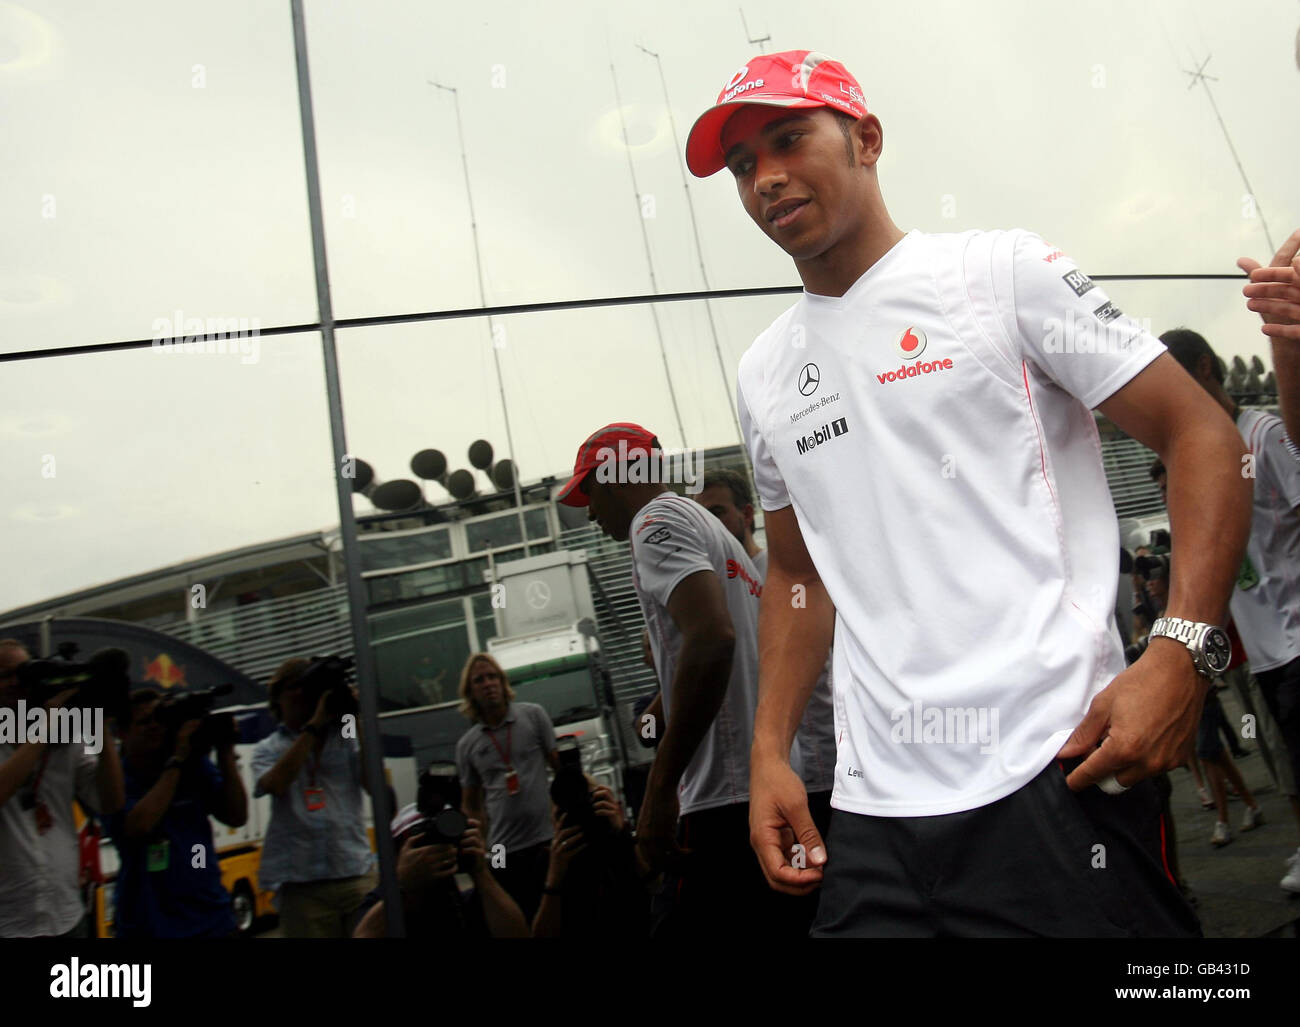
[
  {"x": 322, "y": 715},
  {"x": 420, "y": 863},
  {"x": 778, "y": 819},
  {"x": 656, "y": 831}
]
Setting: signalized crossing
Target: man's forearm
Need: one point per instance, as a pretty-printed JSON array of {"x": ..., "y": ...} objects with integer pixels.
[
  {"x": 286, "y": 768},
  {"x": 108, "y": 778},
  {"x": 1209, "y": 519},
  {"x": 501, "y": 913},
  {"x": 234, "y": 800},
  {"x": 792, "y": 646},
  {"x": 149, "y": 811},
  {"x": 700, "y": 685}
]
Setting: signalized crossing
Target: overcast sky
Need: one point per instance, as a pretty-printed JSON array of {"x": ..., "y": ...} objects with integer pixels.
[{"x": 153, "y": 164}]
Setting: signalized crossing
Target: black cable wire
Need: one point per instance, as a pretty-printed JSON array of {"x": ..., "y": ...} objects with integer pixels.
[{"x": 528, "y": 308}]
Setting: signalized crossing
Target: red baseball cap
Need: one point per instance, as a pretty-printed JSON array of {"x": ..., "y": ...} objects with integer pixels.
[
  {"x": 795, "y": 78},
  {"x": 612, "y": 442}
]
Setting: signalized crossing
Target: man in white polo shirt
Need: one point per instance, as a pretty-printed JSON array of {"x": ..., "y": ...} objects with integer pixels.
[
  {"x": 924, "y": 449},
  {"x": 1266, "y": 602},
  {"x": 699, "y": 593}
]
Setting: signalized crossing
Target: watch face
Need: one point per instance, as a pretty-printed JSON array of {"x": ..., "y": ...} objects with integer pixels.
[{"x": 1218, "y": 650}]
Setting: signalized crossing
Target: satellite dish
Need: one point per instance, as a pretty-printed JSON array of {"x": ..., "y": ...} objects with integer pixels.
[
  {"x": 503, "y": 475},
  {"x": 461, "y": 484},
  {"x": 363, "y": 476},
  {"x": 401, "y": 494},
  {"x": 480, "y": 454},
  {"x": 430, "y": 465}
]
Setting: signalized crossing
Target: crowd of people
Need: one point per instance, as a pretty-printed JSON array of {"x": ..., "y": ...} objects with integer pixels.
[{"x": 910, "y": 716}]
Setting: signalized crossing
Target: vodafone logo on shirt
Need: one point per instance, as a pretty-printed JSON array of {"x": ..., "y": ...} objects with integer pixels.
[
  {"x": 910, "y": 342},
  {"x": 909, "y": 345}
]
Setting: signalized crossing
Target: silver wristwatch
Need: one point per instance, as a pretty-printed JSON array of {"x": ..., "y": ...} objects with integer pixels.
[{"x": 1211, "y": 651}]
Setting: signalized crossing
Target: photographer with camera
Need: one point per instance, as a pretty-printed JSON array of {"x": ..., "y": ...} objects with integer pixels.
[
  {"x": 39, "y": 848},
  {"x": 169, "y": 884},
  {"x": 594, "y": 886},
  {"x": 316, "y": 856},
  {"x": 448, "y": 892}
]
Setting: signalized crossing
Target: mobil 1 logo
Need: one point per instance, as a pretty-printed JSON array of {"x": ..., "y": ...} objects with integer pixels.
[{"x": 822, "y": 435}]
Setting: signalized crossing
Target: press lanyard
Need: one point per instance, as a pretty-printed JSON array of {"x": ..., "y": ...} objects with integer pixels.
[{"x": 504, "y": 754}]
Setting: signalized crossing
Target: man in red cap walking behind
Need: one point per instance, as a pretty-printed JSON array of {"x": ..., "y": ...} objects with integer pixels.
[
  {"x": 699, "y": 593},
  {"x": 924, "y": 449}
]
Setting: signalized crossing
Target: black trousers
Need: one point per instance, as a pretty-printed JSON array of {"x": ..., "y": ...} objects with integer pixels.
[
  {"x": 720, "y": 891},
  {"x": 1042, "y": 862},
  {"x": 1281, "y": 690}
]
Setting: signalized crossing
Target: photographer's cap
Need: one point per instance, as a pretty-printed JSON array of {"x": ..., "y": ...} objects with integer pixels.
[
  {"x": 408, "y": 816},
  {"x": 614, "y": 441},
  {"x": 794, "y": 78}
]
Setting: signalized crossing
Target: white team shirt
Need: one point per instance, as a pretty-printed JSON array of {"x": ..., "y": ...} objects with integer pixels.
[
  {"x": 931, "y": 429},
  {"x": 816, "y": 734},
  {"x": 672, "y": 538},
  {"x": 1266, "y": 602}
]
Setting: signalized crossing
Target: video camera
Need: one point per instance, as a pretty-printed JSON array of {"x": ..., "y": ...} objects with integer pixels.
[
  {"x": 1152, "y": 566},
  {"x": 103, "y": 681},
  {"x": 1132, "y": 653},
  {"x": 571, "y": 792},
  {"x": 330, "y": 675},
  {"x": 216, "y": 729},
  {"x": 438, "y": 801}
]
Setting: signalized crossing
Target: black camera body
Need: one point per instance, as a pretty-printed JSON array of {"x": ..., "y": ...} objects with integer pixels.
[
  {"x": 1132, "y": 653},
  {"x": 1152, "y": 566},
  {"x": 216, "y": 730},
  {"x": 571, "y": 792},
  {"x": 438, "y": 801},
  {"x": 103, "y": 681},
  {"x": 330, "y": 675}
]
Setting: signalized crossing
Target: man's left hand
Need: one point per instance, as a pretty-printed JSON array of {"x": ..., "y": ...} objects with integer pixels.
[
  {"x": 1274, "y": 292},
  {"x": 1143, "y": 719}
]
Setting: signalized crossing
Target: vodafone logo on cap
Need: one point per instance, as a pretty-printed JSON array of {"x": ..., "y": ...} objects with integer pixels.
[
  {"x": 737, "y": 78},
  {"x": 910, "y": 343}
]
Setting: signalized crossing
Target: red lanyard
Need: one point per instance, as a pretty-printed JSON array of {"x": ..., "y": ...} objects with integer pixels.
[
  {"x": 504, "y": 754},
  {"x": 40, "y": 772}
]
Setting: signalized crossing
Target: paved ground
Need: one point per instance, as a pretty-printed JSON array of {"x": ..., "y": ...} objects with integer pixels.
[{"x": 1237, "y": 885}]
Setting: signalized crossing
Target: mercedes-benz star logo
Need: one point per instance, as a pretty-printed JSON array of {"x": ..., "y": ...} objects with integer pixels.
[
  {"x": 809, "y": 379},
  {"x": 538, "y": 594}
]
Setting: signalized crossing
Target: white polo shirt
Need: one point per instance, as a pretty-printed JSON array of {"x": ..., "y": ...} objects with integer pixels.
[
  {"x": 672, "y": 538},
  {"x": 1266, "y": 602},
  {"x": 931, "y": 429}
]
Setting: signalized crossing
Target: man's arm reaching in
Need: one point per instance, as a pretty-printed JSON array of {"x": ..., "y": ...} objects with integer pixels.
[{"x": 1274, "y": 293}]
